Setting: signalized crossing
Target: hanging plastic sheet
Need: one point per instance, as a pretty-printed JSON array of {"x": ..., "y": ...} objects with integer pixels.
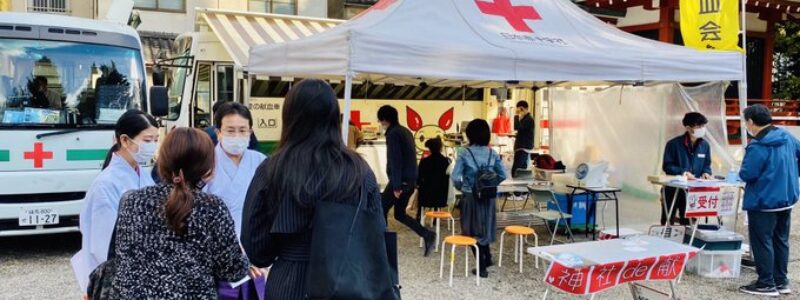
[{"x": 628, "y": 126}]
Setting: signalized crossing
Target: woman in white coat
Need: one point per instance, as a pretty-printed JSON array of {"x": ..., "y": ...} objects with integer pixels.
[
  {"x": 136, "y": 137},
  {"x": 235, "y": 164}
]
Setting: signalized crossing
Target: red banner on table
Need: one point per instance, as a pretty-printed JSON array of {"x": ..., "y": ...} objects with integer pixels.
[
  {"x": 637, "y": 270},
  {"x": 605, "y": 276},
  {"x": 703, "y": 202},
  {"x": 668, "y": 267},
  {"x": 594, "y": 279},
  {"x": 567, "y": 279}
]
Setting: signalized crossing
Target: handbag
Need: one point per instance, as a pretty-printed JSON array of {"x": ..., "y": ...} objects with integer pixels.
[{"x": 360, "y": 263}]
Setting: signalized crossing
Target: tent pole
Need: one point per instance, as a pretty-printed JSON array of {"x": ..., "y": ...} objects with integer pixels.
[
  {"x": 348, "y": 90},
  {"x": 248, "y": 86},
  {"x": 743, "y": 81}
]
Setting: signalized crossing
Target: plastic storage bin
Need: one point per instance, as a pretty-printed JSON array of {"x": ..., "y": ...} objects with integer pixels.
[
  {"x": 580, "y": 204},
  {"x": 716, "y": 264},
  {"x": 715, "y": 240}
]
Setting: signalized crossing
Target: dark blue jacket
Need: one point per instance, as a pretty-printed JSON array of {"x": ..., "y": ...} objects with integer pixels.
[
  {"x": 680, "y": 157},
  {"x": 770, "y": 169},
  {"x": 401, "y": 157}
]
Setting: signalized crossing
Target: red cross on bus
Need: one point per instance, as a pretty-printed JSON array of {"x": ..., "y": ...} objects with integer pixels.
[
  {"x": 514, "y": 15},
  {"x": 38, "y": 155}
]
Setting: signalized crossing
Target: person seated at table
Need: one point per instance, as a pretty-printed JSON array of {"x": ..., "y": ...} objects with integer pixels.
[
  {"x": 433, "y": 181},
  {"x": 686, "y": 155},
  {"x": 478, "y": 216}
]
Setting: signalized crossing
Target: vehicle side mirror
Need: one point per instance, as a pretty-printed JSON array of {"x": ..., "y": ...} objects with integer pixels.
[
  {"x": 159, "y": 101},
  {"x": 158, "y": 76}
]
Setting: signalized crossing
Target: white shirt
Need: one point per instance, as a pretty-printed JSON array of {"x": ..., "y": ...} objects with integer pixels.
[
  {"x": 99, "y": 214},
  {"x": 230, "y": 181}
]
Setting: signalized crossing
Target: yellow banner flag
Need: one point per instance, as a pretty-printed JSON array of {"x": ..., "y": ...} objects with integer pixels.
[
  {"x": 710, "y": 24},
  {"x": 5, "y": 5}
]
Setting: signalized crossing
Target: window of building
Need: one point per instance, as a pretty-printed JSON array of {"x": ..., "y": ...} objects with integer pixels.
[
  {"x": 163, "y": 5},
  {"x": 49, "y": 6},
  {"x": 286, "y": 7}
]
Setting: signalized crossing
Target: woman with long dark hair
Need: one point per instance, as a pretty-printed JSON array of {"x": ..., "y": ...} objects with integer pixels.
[
  {"x": 174, "y": 241},
  {"x": 135, "y": 135},
  {"x": 312, "y": 164}
]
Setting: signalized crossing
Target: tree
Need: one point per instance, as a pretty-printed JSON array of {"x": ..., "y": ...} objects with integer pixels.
[{"x": 786, "y": 64}]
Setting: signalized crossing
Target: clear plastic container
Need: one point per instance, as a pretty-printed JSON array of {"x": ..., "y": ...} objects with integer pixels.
[{"x": 716, "y": 264}]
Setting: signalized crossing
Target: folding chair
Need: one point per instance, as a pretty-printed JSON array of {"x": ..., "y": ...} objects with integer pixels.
[{"x": 544, "y": 196}]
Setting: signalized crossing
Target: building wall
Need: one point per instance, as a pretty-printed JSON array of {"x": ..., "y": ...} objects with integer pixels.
[
  {"x": 636, "y": 16},
  {"x": 180, "y": 22}
]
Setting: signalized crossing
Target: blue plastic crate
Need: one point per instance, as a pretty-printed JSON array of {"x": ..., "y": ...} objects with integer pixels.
[{"x": 580, "y": 204}]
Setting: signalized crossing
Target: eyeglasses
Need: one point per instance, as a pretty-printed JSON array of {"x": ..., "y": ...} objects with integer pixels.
[{"x": 237, "y": 132}]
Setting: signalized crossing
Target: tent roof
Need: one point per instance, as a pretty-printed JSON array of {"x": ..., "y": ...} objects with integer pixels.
[
  {"x": 240, "y": 31},
  {"x": 454, "y": 42}
]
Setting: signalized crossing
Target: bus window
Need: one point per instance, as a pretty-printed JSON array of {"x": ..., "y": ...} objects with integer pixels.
[
  {"x": 225, "y": 78},
  {"x": 203, "y": 99},
  {"x": 66, "y": 84}
]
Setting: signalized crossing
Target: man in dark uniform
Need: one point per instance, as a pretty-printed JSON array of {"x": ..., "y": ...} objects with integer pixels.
[
  {"x": 401, "y": 158},
  {"x": 688, "y": 155},
  {"x": 523, "y": 122}
]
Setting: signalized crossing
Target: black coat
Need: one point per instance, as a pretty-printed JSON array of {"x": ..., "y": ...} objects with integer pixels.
[
  {"x": 525, "y": 129},
  {"x": 401, "y": 157},
  {"x": 433, "y": 181}
]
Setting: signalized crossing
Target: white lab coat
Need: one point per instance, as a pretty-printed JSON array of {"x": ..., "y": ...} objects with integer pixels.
[
  {"x": 231, "y": 181},
  {"x": 99, "y": 214}
]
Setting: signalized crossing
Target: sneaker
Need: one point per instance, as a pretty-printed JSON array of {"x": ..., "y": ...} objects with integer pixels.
[
  {"x": 756, "y": 289},
  {"x": 784, "y": 289}
]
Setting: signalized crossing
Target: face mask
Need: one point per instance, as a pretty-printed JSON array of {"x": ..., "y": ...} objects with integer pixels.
[
  {"x": 235, "y": 145},
  {"x": 700, "y": 132},
  {"x": 147, "y": 150}
]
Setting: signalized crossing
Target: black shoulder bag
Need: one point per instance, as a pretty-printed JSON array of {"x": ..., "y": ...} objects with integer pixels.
[{"x": 359, "y": 263}]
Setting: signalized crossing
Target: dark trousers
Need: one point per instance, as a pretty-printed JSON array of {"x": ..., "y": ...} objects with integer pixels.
[
  {"x": 486, "y": 255},
  {"x": 388, "y": 200},
  {"x": 521, "y": 161},
  {"x": 679, "y": 211},
  {"x": 769, "y": 242}
]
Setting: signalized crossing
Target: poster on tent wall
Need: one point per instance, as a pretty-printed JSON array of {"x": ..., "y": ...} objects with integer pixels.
[
  {"x": 267, "y": 122},
  {"x": 426, "y": 119}
]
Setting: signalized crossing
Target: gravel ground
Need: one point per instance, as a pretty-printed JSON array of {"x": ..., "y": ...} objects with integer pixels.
[{"x": 38, "y": 267}]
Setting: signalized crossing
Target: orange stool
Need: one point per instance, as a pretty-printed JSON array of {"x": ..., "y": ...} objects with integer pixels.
[
  {"x": 521, "y": 233},
  {"x": 460, "y": 240},
  {"x": 438, "y": 216}
]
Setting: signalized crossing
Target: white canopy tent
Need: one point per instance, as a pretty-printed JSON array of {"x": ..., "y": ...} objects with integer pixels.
[{"x": 486, "y": 43}]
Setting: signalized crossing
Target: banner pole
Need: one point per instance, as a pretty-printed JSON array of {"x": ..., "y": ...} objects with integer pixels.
[
  {"x": 348, "y": 91},
  {"x": 743, "y": 80}
]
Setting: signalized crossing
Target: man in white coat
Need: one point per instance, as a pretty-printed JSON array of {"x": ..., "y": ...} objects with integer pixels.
[{"x": 235, "y": 164}]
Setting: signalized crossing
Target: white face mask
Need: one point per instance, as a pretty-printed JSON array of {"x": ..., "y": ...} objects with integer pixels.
[
  {"x": 700, "y": 132},
  {"x": 147, "y": 150},
  {"x": 235, "y": 145}
]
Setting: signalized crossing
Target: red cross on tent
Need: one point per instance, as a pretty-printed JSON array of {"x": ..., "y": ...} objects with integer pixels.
[
  {"x": 38, "y": 155},
  {"x": 514, "y": 15},
  {"x": 381, "y": 5}
]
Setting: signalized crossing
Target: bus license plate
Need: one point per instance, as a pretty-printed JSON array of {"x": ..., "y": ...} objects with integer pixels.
[{"x": 38, "y": 216}]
